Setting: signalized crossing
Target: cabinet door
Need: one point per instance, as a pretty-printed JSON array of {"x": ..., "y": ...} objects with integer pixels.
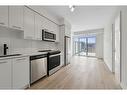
[
  {"x": 20, "y": 72},
  {"x": 5, "y": 74},
  {"x": 55, "y": 29},
  {"x": 38, "y": 27},
  {"x": 28, "y": 24},
  {"x": 48, "y": 26},
  {"x": 16, "y": 17},
  {"x": 52, "y": 27},
  {"x": 4, "y": 16},
  {"x": 44, "y": 23}
]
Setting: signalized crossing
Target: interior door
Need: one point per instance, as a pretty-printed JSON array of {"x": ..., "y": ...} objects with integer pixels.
[{"x": 117, "y": 47}]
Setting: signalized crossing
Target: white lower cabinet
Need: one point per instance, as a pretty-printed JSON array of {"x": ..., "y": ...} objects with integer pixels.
[
  {"x": 20, "y": 72},
  {"x": 14, "y": 73},
  {"x": 5, "y": 74}
]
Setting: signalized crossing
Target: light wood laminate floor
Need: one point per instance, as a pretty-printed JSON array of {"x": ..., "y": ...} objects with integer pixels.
[{"x": 82, "y": 73}]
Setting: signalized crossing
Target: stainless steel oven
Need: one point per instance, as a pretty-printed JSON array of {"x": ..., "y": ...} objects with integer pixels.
[
  {"x": 47, "y": 36},
  {"x": 53, "y": 63}
]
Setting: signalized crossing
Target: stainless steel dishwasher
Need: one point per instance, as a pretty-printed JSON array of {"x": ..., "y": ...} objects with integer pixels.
[{"x": 38, "y": 67}]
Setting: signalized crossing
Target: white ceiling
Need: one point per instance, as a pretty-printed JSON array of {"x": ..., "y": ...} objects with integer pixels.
[{"x": 83, "y": 17}]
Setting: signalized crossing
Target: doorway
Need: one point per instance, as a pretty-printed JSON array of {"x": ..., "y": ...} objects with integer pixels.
[
  {"x": 85, "y": 46},
  {"x": 116, "y": 49}
]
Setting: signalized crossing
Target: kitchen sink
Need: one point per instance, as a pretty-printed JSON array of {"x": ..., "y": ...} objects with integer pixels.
[{"x": 10, "y": 55}]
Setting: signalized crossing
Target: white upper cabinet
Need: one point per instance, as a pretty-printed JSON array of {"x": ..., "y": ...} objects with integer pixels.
[
  {"x": 25, "y": 19},
  {"x": 48, "y": 25},
  {"x": 55, "y": 30},
  {"x": 4, "y": 16},
  {"x": 52, "y": 27},
  {"x": 20, "y": 70},
  {"x": 28, "y": 24},
  {"x": 38, "y": 27},
  {"x": 16, "y": 17},
  {"x": 5, "y": 74}
]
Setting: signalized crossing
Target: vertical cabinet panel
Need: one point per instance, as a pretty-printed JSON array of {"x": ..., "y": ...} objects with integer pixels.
[
  {"x": 38, "y": 27},
  {"x": 16, "y": 17},
  {"x": 55, "y": 29},
  {"x": 5, "y": 74},
  {"x": 57, "y": 33},
  {"x": 20, "y": 72},
  {"x": 4, "y": 16},
  {"x": 28, "y": 24}
]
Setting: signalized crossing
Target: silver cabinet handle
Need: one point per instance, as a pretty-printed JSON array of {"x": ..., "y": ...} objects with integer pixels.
[
  {"x": 16, "y": 27},
  {"x": 54, "y": 55},
  {"x": 3, "y": 62},
  {"x": 2, "y": 23}
]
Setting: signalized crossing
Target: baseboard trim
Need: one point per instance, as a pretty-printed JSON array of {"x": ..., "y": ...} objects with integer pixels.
[
  {"x": 108, "y": 67},
  {"x": 123, "y": 86}
]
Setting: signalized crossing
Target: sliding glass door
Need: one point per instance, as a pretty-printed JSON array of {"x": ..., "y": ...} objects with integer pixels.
[
  {"x": 82, "y": 46},
  {"x": 91, "y": 46},
  {"x": 85, "y": 46}
]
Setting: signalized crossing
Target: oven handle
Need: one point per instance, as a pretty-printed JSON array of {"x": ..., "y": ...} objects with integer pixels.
[{"x": 54, "y": 55}]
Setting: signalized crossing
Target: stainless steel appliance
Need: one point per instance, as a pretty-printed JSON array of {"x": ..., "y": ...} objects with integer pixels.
[
  {"x": 38, "y": 67},
  {"x": 67, "y": 50},
  {"x": 53, "y": 61},
  {"x": 47, "y": 36}
]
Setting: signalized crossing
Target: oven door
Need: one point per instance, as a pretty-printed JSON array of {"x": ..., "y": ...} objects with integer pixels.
[{"x": 53, "y": 63}]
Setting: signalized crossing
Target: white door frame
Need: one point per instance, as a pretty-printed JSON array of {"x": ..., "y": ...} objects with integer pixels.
[
  {"x": 113, "y": 48},
  {"x": 114, "y": 63}
]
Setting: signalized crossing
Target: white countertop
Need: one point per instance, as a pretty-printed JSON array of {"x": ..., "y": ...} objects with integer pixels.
[{"x": 23, "y": 55}]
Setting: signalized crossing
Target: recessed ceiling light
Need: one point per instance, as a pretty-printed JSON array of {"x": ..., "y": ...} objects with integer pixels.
[{"x": 72, "y": 8}]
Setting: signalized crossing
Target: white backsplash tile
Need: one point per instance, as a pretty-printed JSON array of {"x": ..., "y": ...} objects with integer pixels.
[{"x": 16, "y": 43}]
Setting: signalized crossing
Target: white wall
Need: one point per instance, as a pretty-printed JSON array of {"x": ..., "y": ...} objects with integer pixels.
[
  {"x": 99, "y": 45},
  {"x": 123, "y": 52},
  {"x": 16, "y": 43}
]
